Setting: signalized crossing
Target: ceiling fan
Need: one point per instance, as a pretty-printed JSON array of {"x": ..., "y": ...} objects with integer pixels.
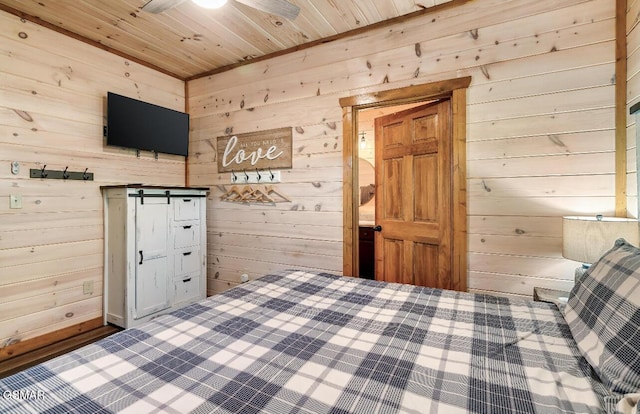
[{"x": 277, "y": 7}]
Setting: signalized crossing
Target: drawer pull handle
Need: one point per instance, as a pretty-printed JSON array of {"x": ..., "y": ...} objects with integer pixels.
[
  {"x": 186, "y": 200},
  {"x": 141, "y": 257},
  {"x": 186, "y": 253},
  {"x": 186, "y": 280},
  {"x": 186, "y": 227}
]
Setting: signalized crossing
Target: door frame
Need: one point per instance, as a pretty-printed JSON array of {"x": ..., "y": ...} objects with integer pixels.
[{"x": 456, "y": 91}]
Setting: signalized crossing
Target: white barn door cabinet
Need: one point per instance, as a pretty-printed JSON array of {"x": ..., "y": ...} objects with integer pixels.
[{"x": 155, "y": 251}]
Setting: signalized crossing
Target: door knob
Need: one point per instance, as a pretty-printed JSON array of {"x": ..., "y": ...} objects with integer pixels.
[{"x": 377, "y": 228}]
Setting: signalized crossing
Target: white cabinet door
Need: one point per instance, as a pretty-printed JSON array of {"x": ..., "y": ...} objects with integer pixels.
[{"x": 152, "y": 260}]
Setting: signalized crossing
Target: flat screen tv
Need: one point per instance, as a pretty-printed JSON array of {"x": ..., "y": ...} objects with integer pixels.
[{"x": 136, "y": 124}]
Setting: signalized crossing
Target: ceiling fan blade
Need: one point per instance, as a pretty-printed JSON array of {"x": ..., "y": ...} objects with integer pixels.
[
  {"x": 278, "y": 7},
  {"x": 158, "y": 6}
]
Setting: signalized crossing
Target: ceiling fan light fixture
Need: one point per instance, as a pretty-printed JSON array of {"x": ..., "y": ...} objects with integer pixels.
[{"x": 210, "y": 4}]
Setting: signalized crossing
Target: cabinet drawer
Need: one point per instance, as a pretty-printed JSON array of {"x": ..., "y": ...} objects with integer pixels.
[
  {"x": 187, "y": 261},
  {"x": 188, "y": 289},
  {"x": 187, "y": 208},
  {"x": 187, "y": 234}
]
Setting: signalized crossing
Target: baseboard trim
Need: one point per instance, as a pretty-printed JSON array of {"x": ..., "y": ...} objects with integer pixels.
[
  {"x": 21, "y": 362},
  {"x": 29, "y": 345}
]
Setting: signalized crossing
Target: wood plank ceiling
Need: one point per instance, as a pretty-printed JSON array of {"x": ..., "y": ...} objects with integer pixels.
[{"x": 188, "y": 41}]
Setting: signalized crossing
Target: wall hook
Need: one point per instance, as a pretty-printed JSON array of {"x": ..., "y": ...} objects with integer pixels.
[
  {"x": 258, "y": 174},
  {"x": 65, "y": 174},
  {"x": 246, "y": 176},
  {"x": 85, "y": 176},
  {"x": 234, "y": 177},
  {"x": 43, "y": 174},
  {"x": 271, "y": 174}
]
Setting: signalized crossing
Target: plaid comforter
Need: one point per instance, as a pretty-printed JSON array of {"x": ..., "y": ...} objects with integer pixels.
[{"x": 318, "y": 343}]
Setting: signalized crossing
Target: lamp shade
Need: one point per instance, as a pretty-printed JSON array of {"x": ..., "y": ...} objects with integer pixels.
[{"x": 586, "y": 239}]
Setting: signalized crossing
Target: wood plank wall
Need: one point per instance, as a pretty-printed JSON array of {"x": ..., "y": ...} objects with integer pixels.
[
  {"x": 540, "y": 135},
  {"x": 633, "y": 96},
  {"x": 52, "y": 111}
]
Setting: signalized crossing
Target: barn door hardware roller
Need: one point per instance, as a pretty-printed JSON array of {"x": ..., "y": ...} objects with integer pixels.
[{"x": 166, "y": 194}]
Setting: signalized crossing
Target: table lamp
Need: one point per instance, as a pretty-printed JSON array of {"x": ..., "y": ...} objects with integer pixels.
[{"x": 586, "y": 239}]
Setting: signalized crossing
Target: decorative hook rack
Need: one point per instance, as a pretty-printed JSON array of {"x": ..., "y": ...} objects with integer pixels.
[
  {"x": 257, "y": 177},
  {"x": 60, "y": 174}
]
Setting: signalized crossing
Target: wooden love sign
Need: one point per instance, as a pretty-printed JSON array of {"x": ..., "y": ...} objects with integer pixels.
[{"x": 256, "y": 150}]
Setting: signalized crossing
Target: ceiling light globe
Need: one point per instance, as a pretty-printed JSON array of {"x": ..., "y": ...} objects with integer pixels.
[{"x": 210, "y": 4}]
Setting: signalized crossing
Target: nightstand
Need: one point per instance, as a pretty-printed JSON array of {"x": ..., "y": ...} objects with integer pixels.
[{"x": 550, "y": 295}]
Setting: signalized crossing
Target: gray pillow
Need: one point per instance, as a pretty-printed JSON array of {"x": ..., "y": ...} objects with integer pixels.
[{"x": 603, "y": 314}]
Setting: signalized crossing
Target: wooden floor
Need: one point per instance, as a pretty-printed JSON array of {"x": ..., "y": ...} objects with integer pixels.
[{"x": 20, "y": 362}]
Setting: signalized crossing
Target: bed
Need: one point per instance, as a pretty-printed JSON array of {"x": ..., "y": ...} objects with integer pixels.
[{"x": 308, "y": 342}]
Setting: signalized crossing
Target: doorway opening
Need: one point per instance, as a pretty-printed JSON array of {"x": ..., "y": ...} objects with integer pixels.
[{"x": 360, "y": 107}]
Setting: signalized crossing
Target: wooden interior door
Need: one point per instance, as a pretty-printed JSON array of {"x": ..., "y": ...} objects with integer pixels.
[{"x": 414, "y": 196}]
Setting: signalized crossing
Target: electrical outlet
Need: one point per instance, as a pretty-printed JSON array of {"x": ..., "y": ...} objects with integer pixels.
[
  {"x": 15, "y": 201},
  {"x": 87, "y": 287}
]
